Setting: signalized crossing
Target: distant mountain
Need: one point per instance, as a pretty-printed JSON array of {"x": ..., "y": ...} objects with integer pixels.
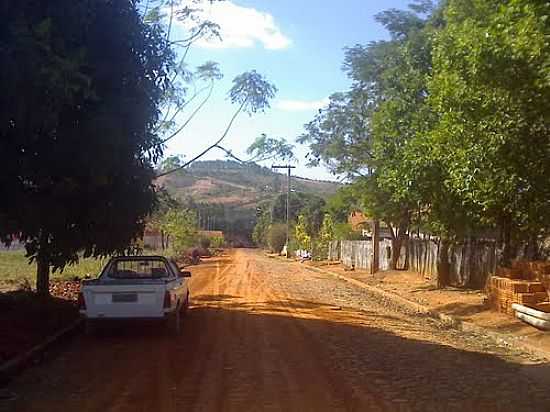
[{"x": 237, "y": 185}]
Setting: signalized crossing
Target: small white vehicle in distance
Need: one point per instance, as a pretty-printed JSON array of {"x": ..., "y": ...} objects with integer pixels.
[{"x": 136, "y": 287}]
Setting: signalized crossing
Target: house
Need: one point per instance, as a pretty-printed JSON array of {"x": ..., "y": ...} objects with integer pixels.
[{"x": 360, "y": 222}]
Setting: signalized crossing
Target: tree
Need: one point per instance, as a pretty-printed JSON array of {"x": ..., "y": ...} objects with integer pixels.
[
  {"x": 165, "y": 202},
  {"x": 299, "y": 202},
  {"x": 261, "y": 229},
  {"x": 181, "y": 225},
  {"x": 81, "y": 85},
  {"x": 252, "y": 93},
  {"x": 188, "y": 90},
  {"x": 301, "y": 233},
  {"x": 184, "y": 85},
  {"x": 490, "y": 90},
  {"x": 269, "y": 148},
  {"x": 366, "y": 133},
  {"x": 276, "y": 237},
  {"x": 342, "y": 203},
  {"x": 171, "y": 162}
]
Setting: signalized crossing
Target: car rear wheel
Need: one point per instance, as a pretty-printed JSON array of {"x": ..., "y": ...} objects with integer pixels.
[
  {"x": 173, "y": 322},
  {"x": 185, "y": 306},
  {"x": 90, "y": 327}
]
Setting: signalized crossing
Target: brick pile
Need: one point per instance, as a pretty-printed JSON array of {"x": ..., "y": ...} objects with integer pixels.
[
  {"x": 525, "y": 282},
  {"x": 538, "y": 270},
  {"x": 504, "y": 292}
]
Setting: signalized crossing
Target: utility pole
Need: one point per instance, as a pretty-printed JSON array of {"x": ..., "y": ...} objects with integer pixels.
[{"x": 288, "y": 167}]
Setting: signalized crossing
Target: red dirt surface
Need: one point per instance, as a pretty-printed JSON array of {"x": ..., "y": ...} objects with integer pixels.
[{"x": 264, "y": 334}]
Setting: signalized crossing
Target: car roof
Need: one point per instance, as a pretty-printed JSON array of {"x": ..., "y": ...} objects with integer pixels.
[{"x": 139, "y": 257}]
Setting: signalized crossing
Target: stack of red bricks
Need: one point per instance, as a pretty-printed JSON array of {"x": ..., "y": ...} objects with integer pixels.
[{"x": 527, "y": 283}]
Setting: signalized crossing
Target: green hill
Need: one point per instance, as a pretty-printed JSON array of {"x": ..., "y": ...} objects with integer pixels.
[
  {"x": 233, "y": 184},
  {"x": 226, "y": 193}
]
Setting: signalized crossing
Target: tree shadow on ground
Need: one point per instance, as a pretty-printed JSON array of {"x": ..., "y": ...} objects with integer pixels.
[
  {"x": 238, "y": 357},
  {"x": 463, "y": 309}
]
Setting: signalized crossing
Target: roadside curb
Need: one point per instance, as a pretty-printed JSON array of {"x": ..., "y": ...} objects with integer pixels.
[
  {"x": 12, "y": 366},
  {"x": 458, "y": 324}
]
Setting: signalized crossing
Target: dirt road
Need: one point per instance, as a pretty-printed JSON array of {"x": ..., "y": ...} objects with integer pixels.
[{"x": 268, "y": 335}]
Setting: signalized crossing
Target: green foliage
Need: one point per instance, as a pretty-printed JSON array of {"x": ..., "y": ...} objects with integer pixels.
[
  {"x": 343, "y": 231},
  {"x": 171, "y": 162},
  {"x": 252, "y": 92},
  {"x": 217, "y": 242},
  {"x": 326, "y": 234},
  {"x": 276, "y": 237},
  {"x": 261, "y": 230},
  {"x": 302, "y": 234},
  {"x": 181, "y": 226},
  {"x": 439, "y": 128},
  {"x": 269, "y": 148},
  {"x": 493, "y": 110},
  {"x": 342, "y": 203},
  {"x": 81, "y": 84},
  {"x": 306, "y": 203}
]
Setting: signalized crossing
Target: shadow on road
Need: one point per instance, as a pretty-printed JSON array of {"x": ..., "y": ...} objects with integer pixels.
[{"x": 285, "y": 356}]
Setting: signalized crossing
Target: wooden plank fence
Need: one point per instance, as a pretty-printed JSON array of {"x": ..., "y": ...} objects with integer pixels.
[
  {"x": 471, "y": 262},
  {"x": 358, "y": 253}
]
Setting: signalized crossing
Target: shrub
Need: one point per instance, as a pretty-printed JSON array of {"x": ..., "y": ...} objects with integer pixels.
[
  {"x": 217, "y": 242},
  {"x": 276, "y": 237},
  {"x": 204, "y": 242}
]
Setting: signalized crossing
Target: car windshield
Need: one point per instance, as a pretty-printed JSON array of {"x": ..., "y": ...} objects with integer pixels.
[{"x": 138, "y": 269}]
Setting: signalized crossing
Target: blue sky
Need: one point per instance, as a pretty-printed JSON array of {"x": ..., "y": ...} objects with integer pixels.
[{"x": 298, "y": 46}]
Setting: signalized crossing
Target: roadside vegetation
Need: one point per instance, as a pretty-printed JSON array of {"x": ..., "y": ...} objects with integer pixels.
[{"x": 445, "y": 128}]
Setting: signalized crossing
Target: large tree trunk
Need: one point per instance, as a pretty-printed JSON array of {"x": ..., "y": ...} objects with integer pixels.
[
  {"x": 397, "y": 240},
  {"x": 43, "y": 268},
  {"x": 532, "y": 248},
  {"x": 42, "y": 276},
  {"x": 443, "y": 267},
  {"x": 507, "y": 249}
]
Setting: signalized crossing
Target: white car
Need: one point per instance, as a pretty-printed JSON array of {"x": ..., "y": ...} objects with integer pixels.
[{"x": 136, "y": 287}]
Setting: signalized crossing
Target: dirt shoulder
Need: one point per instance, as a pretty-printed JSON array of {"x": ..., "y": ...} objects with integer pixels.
[
  {"x": 27, "y": 320},
  {"x": 463, "y": 304}
]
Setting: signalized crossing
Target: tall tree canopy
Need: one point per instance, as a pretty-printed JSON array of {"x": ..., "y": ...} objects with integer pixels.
[
  {"x": 365, "y": 132},
  {"x": 490, "y": 89},
  {"x": 81, "y": 83},
  {"x": 446, "y": 125}
]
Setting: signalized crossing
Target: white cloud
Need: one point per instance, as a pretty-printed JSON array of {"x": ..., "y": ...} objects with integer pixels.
[
  {"x": 241, "y": 27},
  {"x": 301, "y": 105}
]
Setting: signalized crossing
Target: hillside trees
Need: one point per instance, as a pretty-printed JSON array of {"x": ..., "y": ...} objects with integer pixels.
[
  {"x": 81, "y": 85},
  {"x": 305, "y": 212}
]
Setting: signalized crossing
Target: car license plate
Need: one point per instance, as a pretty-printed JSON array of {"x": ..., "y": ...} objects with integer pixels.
[{"x": 124, "y": 297}]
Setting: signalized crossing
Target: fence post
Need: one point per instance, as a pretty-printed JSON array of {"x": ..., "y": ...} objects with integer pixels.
[{"x": 375, "y": 247}]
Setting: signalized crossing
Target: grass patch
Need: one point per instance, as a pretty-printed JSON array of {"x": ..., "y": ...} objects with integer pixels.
[{"x": 15, "y": 268}]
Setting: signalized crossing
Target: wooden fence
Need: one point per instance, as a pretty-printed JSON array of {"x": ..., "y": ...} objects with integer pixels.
[
  {"x": 358, "y": 253},
  {"x": 470, "y": 263}
]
